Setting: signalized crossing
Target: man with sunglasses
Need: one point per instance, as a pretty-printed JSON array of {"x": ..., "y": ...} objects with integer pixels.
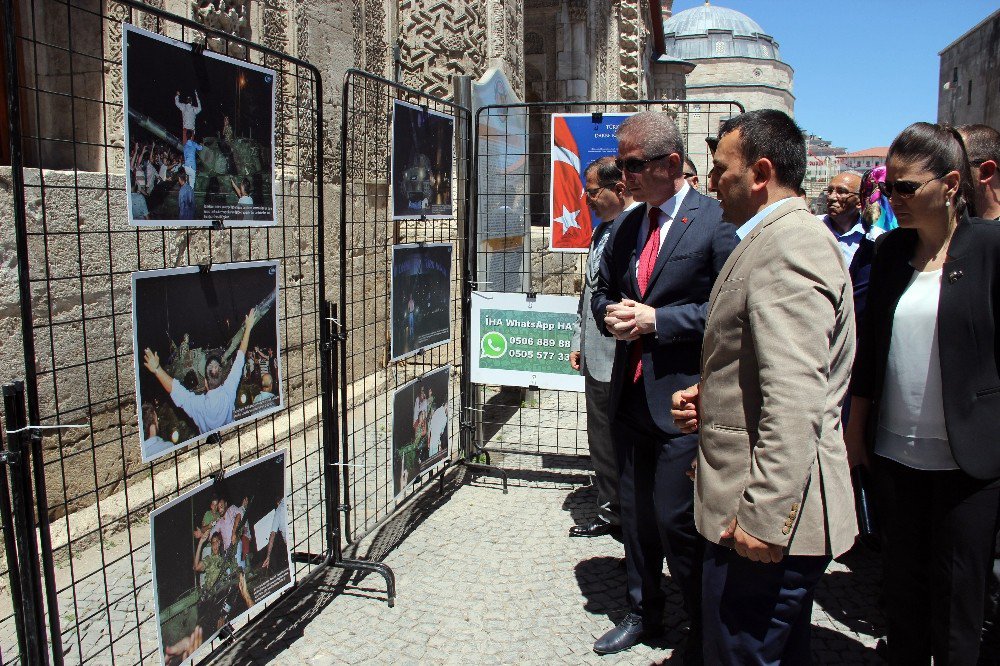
[
  {"x": 690, "y": 173},
  {"x": 652, "y": 292},
  {"x": 594, "y": 353},
  {"x": 982, "y": 143}
]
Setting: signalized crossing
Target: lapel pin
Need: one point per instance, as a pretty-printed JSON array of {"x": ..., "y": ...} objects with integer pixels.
[
  {"x": 955, "y": 276},
  {"x": 684, "y": 220}
]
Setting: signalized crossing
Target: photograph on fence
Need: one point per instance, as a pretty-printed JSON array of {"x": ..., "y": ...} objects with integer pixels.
[
  {"x": 199, "y": 135},
  {"x": 423, "y": 143},
  {"x": 419, "y": 427},
  {"x": 420, "y": 297},
  {"x": 207, "y": 351},
  {"x": 522, "y": 341},
  {"x": 577, "y": 140},
  {"x": 218, "y": 552}
]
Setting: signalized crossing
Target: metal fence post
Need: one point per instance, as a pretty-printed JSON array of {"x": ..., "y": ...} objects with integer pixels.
[{"x": 34, "y": 649}]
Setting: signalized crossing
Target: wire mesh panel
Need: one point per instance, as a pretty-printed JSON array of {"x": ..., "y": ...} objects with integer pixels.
[
  {"x": 529, "y": 431},
  {"x": 80, "y": 256},
  {"x": 403, "y": 204}
]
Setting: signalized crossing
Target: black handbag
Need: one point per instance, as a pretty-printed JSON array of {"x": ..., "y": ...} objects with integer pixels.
[{"x": 868, "y": 534}]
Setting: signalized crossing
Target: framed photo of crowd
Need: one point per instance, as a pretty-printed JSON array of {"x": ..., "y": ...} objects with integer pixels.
[
  {"x": 199, "y": 135},
  {"x": 419, "y": 427},
  {"x": 207, "y": 351},
  {"x": 420, "y": 297},
  {"x": 219, "y": 552}
]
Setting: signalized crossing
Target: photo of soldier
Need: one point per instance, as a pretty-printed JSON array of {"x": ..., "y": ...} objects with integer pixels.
[
  {"x": 207, "y": 353},
  {"x": 219, "y": 551},
  {"x": 199, "y": 134},
  {"x": 422, "y": 150},
  {"x": 420, "y": 296},
  {"x": 419, "y": 427}
]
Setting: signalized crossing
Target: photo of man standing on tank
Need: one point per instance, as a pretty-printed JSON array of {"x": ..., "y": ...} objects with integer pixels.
[{"x": 200, "y": 134}]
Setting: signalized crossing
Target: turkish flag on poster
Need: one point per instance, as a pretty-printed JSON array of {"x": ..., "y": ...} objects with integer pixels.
[{"x": 571, "y": 224}]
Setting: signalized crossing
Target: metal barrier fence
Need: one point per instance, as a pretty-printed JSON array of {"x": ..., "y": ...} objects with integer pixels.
[
  {"x": 380, "y": 232},
  {"x": 530, "y": 433},
  {"x": 74, "y": 448}
]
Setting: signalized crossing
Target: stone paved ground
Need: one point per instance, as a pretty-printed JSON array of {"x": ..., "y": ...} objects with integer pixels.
[{"x": 485, "y": 577}]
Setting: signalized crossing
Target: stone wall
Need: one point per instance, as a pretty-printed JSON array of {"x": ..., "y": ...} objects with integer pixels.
[{"x": 969, "y": 81}]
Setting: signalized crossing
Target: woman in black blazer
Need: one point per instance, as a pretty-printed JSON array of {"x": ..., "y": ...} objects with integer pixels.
[{"x": 925, "y": 411}]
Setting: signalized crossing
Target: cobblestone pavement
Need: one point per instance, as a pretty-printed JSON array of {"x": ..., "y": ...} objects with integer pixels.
[{"x": 485, "y": 577}]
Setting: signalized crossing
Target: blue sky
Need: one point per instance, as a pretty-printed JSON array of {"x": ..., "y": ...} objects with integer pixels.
[{"x": 864, "y": 69}]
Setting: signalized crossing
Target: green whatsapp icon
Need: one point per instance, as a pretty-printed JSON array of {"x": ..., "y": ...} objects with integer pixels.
[{"x": 494, "y": 345}]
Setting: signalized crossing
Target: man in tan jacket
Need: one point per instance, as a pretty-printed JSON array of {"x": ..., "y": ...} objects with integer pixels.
[{"x": 773, "y": 493}]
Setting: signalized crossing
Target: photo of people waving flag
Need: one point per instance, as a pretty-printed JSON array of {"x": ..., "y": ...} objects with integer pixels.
[{"x": 577, "y": 140}]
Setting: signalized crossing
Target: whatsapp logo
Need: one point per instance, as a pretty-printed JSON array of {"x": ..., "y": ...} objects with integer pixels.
[{"x": 494, "y": 345}]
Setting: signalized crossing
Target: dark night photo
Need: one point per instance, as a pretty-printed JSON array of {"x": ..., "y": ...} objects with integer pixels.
[
  {"x": 199, "y": 135},
  {"x": 422, "y": 149},
  {"x": 207, "y": 354},
  {"x": 421, "y": 289},
  {"x": 419, "y": 427},
  {"x": 219, "y": 551}
]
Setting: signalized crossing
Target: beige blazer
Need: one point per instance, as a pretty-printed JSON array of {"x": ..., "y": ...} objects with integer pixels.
[{"x": 779, "y": 344}]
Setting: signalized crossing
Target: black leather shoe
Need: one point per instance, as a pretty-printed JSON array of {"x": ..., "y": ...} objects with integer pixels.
[
  {"x": 595, "y": 528},
  {"x": 629, "y": 631}
]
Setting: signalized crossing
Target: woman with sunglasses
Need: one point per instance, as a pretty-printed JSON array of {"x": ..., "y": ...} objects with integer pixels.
[{"x": 926, "y": 400}]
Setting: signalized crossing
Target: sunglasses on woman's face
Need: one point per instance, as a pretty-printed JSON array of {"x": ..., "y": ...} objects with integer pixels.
[{"x": 904, "y": 188}]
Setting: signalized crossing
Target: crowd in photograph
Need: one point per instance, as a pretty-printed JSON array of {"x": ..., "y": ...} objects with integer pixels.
[{"x": 751, "y": 370}]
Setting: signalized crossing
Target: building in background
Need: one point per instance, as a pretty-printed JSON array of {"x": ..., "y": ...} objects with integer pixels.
[
  {"x": 862, "y": 160},
  {"x": 969, "y": 81},
  {"x": 821, "y": 166}
]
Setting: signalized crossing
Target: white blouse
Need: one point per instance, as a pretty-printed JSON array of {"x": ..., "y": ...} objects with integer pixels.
[{"x": 911, "y": 422}]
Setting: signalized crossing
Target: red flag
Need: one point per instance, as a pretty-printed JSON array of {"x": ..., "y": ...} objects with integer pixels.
[{"x": 571, "y": 224}]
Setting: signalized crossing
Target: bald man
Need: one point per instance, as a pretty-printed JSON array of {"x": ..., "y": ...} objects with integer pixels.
[{"x": 855, "y": 238}]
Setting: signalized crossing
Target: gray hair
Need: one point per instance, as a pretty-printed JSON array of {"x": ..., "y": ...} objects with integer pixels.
[{"x": 655, "y": 132}]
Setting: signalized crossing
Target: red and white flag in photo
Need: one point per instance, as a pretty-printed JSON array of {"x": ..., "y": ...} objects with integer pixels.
[{"x": 571, "y": 224}]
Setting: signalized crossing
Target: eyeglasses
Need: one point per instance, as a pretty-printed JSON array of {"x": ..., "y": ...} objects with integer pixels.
[
  {"x": 904, "y": 188},
  {"x": 635, "y": 165},
  {"x": 594, "y": 192},
  {"x": 840, "y": 191},
  {"x": 688, "y": 174}
]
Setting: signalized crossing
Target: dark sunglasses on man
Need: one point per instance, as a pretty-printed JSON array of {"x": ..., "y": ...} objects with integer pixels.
[
  {"x": 635, "y": 165},
  {"x": 904, "y": 188}
]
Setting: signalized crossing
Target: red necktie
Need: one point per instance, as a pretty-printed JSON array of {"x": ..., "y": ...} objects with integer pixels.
[{"x": 645, "y": 270}]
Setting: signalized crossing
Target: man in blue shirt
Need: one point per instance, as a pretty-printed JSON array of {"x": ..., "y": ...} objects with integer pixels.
[
  {"x": 185, "y": 198},
  {"x": 191, "y": 148}
]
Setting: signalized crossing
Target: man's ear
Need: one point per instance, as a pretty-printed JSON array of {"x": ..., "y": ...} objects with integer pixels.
[
  {"x": 763, "y": 173},
  {"x": 987, "y": 170}
]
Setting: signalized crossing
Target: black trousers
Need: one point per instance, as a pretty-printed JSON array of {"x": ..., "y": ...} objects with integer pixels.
[
  {"x": 938, "y": 536},
  {"x": 602, "y": 450},
  {"x": 657, "y": 511},
  {"x": 755, "y": 613}
]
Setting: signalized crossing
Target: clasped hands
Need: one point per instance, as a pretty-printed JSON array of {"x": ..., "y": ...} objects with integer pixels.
[
  {"x": 684, "y": 408},
  {"x": 629, "y": 319}
]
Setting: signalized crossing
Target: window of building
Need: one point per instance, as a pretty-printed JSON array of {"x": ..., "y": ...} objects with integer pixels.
[
  {"x": 720, "y": 48},
  {"x": 968, "y": 99},
  {"x": 954, "y": 75}
]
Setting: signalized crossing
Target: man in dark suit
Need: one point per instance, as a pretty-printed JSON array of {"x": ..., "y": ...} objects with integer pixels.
[{"x": 656, "y": 275}]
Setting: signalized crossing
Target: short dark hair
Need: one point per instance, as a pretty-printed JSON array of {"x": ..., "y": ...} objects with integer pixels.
[
  {"x": 982, "y": 142},
  {"x": 688, "y": 164},
  {"x": 182, "y": 175},
  {"x": 607, "y": 172},
  {"x": 772, "y": 134},
  {"x": 939, "y": 149}
]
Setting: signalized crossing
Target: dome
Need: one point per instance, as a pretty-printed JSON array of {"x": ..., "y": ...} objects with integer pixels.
[{"x": 716, "y": 32}]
